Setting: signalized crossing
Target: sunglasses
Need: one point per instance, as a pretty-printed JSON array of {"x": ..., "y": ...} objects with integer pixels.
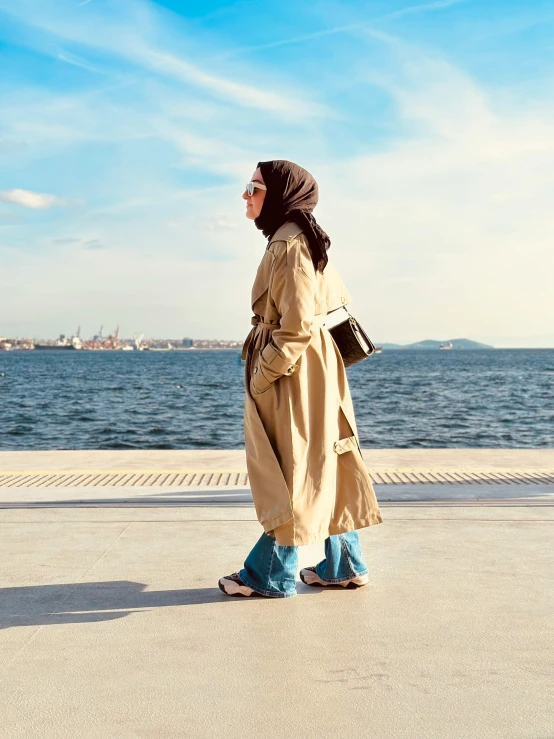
[{"x": 251, "y": 186}]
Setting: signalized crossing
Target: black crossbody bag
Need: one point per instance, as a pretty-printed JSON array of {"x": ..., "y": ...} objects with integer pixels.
[{"x": 352, "y": 341}]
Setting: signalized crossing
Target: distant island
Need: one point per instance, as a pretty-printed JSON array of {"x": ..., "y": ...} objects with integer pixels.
[{"x": 432, "y": 344}]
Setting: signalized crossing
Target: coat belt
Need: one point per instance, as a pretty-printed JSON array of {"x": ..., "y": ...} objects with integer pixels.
[
  {"x": 318, "y": 320},
  {"x": 255, "y": 321}
]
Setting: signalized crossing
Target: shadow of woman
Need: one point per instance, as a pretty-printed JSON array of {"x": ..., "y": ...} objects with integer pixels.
[{"x": 36, "y": 605}]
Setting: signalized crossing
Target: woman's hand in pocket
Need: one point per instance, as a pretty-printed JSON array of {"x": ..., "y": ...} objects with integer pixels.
[{"x": 258, "y": 381}]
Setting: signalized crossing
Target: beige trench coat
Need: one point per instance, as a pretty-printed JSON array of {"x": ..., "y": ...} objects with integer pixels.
[{"x": 303, "y": 456}]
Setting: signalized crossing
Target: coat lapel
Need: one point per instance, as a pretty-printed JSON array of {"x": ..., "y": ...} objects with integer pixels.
[{"x": 261, "y": 282}]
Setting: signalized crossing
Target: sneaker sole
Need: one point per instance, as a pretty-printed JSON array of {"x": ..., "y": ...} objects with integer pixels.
[
  {"x": 310, "y": 578},
  {"x": 232, "y": 588}
]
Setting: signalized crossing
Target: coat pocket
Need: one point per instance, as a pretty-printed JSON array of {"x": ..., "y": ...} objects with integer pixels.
[{"x": 258, "y": 381}]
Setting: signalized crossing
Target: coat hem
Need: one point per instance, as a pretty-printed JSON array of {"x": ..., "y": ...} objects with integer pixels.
[
  {"x": 271, "y": 523},
  {"x": 329, "y": 531}
]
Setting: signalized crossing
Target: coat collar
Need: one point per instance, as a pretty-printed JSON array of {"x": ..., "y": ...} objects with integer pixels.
[{"x": 286, "y": 232}]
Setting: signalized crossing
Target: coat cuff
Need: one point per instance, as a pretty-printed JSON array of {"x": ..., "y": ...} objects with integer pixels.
[
  {"x": 276, "y": 362},
  {"x": 345, "y": 445}
]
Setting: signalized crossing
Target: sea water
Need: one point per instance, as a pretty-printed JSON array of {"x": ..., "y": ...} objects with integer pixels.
[{"x": 501, "y": 398}]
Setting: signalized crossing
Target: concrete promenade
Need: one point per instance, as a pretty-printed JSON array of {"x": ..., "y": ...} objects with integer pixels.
[{"x": 112, "y": 624}]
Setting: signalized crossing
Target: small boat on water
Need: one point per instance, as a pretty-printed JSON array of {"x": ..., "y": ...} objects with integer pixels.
[
  {"x": 448, "y": 345},
  {"x": 55, "y": 346},
  {"x": 62, "y": 343}
]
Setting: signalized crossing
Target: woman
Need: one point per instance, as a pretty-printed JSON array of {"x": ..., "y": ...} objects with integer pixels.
[{"x": 307, "y": 475}]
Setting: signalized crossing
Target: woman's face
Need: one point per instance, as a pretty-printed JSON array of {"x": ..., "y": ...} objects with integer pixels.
[{"x": 255, "y": 201}]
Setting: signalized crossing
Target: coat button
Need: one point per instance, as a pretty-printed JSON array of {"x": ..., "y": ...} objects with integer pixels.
[{"x": 255, "y": 370}]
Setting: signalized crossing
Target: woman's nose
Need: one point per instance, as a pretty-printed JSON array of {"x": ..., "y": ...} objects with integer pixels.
[{"x": 245, "y": 195}]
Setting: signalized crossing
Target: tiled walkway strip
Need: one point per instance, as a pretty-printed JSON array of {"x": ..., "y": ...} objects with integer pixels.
[{"x": 239, "y": 477}]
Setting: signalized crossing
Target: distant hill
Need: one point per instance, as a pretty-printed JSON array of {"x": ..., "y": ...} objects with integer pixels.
[{"x": 430, "y": 344}]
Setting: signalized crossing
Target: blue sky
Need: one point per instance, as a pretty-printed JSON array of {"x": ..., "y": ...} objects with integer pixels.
[{"x": 128, "y": 129}]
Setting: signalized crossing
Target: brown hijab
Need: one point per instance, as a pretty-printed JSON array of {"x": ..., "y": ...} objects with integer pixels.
[{"x": 292, "y": 194}]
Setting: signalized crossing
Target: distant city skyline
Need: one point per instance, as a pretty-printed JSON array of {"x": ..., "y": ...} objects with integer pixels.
[
  {"x": 198, "y": 339},
  {"x": 165, "y": 336},
  {"x": 128, "y": 131}
]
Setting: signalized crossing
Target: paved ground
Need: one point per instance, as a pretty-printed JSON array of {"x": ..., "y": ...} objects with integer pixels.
[
  {"x": 221, "y": 459},
  {"x": 113, "y": 625}
]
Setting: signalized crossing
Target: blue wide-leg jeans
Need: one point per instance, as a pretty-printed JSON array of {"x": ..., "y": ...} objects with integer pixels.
[{"x": 271, "y": 569}]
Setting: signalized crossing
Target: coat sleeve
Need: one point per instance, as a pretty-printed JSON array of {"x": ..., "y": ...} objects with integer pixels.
[{"x": 292, "y": 288}]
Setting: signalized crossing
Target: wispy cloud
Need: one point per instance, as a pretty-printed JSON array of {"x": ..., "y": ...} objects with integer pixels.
[
  {"x": 123, "y": 38},
  {"x": 222, "y": 224},
  {"x": 94, "y": 244},
  {"x": 91, "y": 244},
  {"x": 9, "y": 145},
  {"x": 222, "y": 87},
  {"x": 423, "y": 8},
  {"x": 362, "y": 24},
  {"x": 35, "y": 200},
  {"x": 65, "y": 56},
  {"x": 9, "y": 217}
]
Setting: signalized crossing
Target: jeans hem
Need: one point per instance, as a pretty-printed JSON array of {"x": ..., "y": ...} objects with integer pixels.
[{"x": 266, "y": 593}]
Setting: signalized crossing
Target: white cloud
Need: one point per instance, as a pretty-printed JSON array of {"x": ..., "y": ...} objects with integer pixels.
[
  {"x": 29, "y": 199},
  {"x": 222, "y": 224},
  {"x": 448, "y": 231}
]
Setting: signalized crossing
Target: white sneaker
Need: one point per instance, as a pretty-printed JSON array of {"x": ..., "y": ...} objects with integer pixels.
[{"x": 309, "y": 576}]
